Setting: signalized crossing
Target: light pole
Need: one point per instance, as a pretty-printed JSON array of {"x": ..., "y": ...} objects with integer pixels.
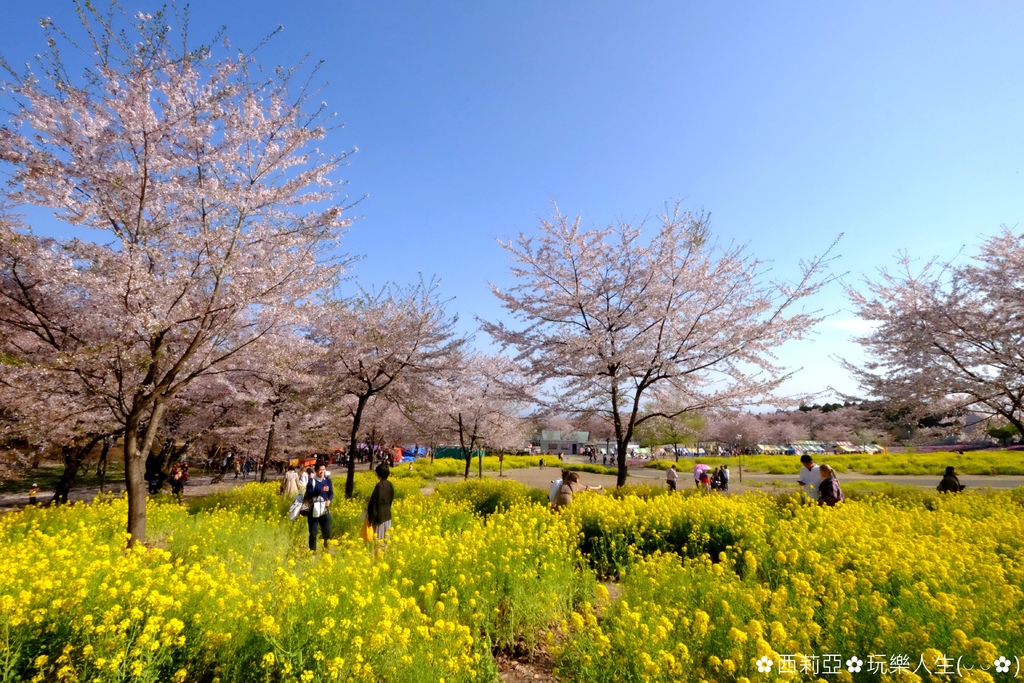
[{"x": 740, "y": 454}]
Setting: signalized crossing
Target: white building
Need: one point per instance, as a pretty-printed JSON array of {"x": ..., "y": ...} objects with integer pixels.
[{"x": 555, "y": 442}]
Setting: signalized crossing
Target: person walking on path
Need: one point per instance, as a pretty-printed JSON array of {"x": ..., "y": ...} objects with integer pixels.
[
  {"x": 810, "y": 476},
  {"x": 177, "y": 482},
  {"x": 378, "y": 507},
  {"x": 829, "y": 491},
  {"x": 950, "y": 482},
  {"x": 290, "y": 483},
  {"x": 320, "y": 493},
  {"x": 671, "y": 475},
  {"x": 307, "y": 474}
]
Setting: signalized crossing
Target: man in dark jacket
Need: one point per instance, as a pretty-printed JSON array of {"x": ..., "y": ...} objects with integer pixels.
[
  {"x": 950, "y": 482},
  {"x": 319, "y": 493},
  {"x": 378, "y": 508}
]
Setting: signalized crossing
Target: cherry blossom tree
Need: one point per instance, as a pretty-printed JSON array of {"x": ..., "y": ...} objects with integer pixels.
[
  {"x": 44, "y": 405},
  {"x": 735, "y": 429},
  {"x": 684, "y": 427},
  {"x": 478, "y": 401},
  {"x": 612, "y": 317},
  {"x": 783, "y": 428},
  {"x": 948, "y": 334},
  {"x": 378, "y": 344},
  {"x": 385, "y": 426},
  {"x": 277, "y": 381},
  {"x": 204, "y": 212}
]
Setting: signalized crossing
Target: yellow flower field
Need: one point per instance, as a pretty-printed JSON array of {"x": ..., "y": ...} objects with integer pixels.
[
  {"x": 231, "y": 594},
  {"x": 767, "y": 577},
  {"x": 709, "y": 587}
]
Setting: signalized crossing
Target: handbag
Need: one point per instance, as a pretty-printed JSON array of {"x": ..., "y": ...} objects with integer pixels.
[
  {"x": 366, "y": 531},
  {"x": 299, "y": 506}
]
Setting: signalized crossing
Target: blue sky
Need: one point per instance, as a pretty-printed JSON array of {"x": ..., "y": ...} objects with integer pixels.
[{"x": 896, "y": 123}]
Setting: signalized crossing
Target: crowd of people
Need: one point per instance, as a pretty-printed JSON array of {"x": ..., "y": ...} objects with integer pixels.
[
  {"x": 241, "y": 465},
  {"x": 313, "y": 490}
]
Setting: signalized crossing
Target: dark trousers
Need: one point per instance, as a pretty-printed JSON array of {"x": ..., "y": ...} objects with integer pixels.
[
  {"x": 323, "y": 522},
  {"x": 671, "y": 485}
]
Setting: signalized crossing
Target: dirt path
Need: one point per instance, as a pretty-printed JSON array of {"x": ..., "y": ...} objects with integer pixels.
[
  {"x": 201, "y": 485},
  {"x": 541, "y": 477}
]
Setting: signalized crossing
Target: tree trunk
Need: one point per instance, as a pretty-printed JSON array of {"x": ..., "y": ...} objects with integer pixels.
[
  {"x": 623, "y": 468},
  {"x": 73, "y": 459},
  {"x": 101, "y": 466},
  {"x": 462, "y": 447},
  {"x": 622, "y": 450},
  {"x": 350, "y": 478},
  {"x": 621, "y": 440},
  {"x": 135, "y": 469},
  {"x": 371, "y": 444},
  {"x": 134, "y": 481},
  {"x": 270, "y": 444}
]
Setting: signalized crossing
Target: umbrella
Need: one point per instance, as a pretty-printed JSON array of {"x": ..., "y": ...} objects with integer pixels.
[{"x": 700, "y": 467}]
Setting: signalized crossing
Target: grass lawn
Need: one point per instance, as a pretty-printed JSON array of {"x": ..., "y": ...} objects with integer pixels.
[{"x": 48, "y": 474}]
